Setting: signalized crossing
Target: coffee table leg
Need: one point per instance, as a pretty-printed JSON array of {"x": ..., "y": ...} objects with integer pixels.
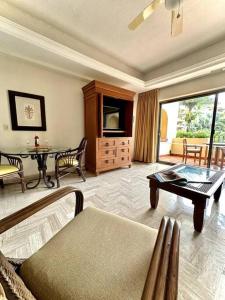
[
  {"x": 154, "y": 194},
  {"x": 198, "y": 216},
  {"x": 218, "y": 193}
]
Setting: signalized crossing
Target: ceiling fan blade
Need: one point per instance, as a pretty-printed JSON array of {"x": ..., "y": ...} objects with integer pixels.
[
  {"x": 144, "y": 14},
  {"x": 177, "y": 22}
]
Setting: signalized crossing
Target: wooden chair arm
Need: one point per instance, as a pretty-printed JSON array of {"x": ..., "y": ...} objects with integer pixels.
[
  {"x": 162, "y": 278},
  {"x": 17, "y": 217},
  {"x": 71, "y": 153}
]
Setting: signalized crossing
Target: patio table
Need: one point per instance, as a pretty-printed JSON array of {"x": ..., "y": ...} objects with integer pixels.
[
  {"x": 217, "y": 147},
  {"x": 40, "y": 154}
]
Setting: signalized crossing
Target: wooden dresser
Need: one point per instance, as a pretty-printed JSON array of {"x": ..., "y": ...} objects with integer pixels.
[
  {"x": 113, "y": 153},
  {"x": 107, "y": 149}
]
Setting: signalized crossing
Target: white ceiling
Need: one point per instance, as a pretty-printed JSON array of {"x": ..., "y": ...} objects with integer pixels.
[{"x": 103, "y": 25}]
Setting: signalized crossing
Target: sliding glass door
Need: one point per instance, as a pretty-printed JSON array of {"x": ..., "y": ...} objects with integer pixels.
[
  {"x": 217, "y": 157},
  {"x": 196, "y": 123}
]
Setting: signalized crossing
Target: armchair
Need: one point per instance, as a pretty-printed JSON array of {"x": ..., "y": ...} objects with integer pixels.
[
  {"x": 97, "y": 256},
  {"x": 13, "y": 168},
  {"x": 66, "y": 163}
]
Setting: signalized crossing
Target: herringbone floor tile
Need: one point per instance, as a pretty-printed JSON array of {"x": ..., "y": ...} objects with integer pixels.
[{"x": 125, "y": 192}]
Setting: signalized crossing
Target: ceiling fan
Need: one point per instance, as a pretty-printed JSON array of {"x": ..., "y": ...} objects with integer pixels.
[{"x": 176, "y": 8}]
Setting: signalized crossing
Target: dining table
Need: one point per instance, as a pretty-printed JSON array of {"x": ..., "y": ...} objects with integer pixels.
[{"x": 40, "y": 154}]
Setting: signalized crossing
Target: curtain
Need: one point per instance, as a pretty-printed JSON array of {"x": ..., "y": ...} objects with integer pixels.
[{"x": 146, "y": 127}]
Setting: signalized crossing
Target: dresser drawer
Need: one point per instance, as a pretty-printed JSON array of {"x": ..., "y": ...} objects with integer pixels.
[
  {"x": 107, "y": 163},
  {"x": 108, "y": 152},
  {"x": 125, "y": 142},
  {"x": 106, "y": 143},
  {"x": 123, "y": 151},
  {"x": 123, "y": 160}
]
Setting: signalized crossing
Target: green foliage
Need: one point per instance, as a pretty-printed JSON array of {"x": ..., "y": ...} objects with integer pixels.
[
  {"x": 201, "y": 134},
  {"x": 184, "y": 134},
  {"x": 195, "y": 119},
  {"x": 190, "y": 134}
]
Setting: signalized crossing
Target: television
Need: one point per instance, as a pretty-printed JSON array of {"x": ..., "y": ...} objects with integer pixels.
[{"x": 113, "y": 115}]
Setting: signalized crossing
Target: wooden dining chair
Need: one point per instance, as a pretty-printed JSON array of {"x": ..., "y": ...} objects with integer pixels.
[
  {"x": 70, "y": 161},
  {"x": 13, "y": 168},
  {"x": 192, "y": 149}
]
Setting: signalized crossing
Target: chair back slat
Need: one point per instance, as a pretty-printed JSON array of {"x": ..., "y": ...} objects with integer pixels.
[{"x": 81, "y": 149}]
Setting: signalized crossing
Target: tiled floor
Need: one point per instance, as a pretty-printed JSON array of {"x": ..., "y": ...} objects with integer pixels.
[
  {"x": 178, "y": 160},
  {"x": 125, "y": 192}
]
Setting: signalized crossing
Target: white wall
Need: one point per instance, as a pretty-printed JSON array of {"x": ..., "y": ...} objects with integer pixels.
[
  {"x": 172, "y": 113},
  {"x": 63, "y": 104},
  {"x": 199, "y": 85}
]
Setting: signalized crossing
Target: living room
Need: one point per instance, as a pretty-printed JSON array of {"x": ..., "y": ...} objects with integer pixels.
[{"x": 96, "y": 111}]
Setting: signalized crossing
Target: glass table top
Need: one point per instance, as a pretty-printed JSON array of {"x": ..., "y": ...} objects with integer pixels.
[
  {"x": 32, "y": 150},
  {"x": 195, "y": 173}
]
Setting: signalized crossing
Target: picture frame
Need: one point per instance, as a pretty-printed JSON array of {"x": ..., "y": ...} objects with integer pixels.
[{"x": 27, "y": 111}]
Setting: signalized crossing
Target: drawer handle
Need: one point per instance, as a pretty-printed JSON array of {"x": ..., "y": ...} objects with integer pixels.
[
  {"x": 106, "y": 161},
  {"x": 123, "y": 143},
  {"x": 123, "y": 150},
  {"x": 107, "y": 152},
  {"x": 106, "y": 144},
  {"x": 122, "y": 158}
]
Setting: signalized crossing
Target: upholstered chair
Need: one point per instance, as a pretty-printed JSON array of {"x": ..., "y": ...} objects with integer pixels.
[
  {"x": 97, "y": 255},
  {"x": 13, "y": 168},
  {"x": 66, "y": 163}
]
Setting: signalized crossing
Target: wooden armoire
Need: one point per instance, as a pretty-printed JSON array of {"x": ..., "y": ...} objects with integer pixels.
[{"x": 108, "y": 126}]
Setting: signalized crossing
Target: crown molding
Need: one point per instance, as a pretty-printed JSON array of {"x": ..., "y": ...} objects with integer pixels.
[
  {"x": 47, "y": 65},
  {"x": 194, "y": 71},
  {"x": 50, "y": 46},
  {"x": 34, "y": 38}
]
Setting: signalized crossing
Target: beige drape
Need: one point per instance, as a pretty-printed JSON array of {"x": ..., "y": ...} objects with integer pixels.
[{"x": 146, "y": 127}]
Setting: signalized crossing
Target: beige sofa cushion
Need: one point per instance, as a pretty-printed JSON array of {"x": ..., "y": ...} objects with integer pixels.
[{"x": 96, "y": 256}]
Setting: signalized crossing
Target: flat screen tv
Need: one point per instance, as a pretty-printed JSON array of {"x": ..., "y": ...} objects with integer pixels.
[{"x": 112, "y": 118}]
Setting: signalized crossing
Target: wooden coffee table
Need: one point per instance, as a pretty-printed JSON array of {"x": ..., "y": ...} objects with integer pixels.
[{"x": 198, "y": 194}]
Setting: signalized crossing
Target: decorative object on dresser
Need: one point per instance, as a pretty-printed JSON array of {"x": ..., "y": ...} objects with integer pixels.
[
  {"x": 12, "y": 169},
  {"x": 27, "y": 111},
  {"x": 108, "y": 126},
  {"x": 70, "y": 161}
]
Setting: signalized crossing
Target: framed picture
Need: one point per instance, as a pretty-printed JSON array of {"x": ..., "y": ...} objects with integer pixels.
[{"x": 27, "y": 111}]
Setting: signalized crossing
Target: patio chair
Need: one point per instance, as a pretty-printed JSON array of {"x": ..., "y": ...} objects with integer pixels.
[
  {"x": 222, "y": 158},
  {"x": 66, "y": 163},
  {"x": 97, "y": 255},
  {"x": 14, "y": 168},
  {"x": 192, "y": 149}
]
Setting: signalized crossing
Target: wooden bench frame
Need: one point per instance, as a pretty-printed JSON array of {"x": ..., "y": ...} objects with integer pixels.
[{"x": 162, "y": 279}]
